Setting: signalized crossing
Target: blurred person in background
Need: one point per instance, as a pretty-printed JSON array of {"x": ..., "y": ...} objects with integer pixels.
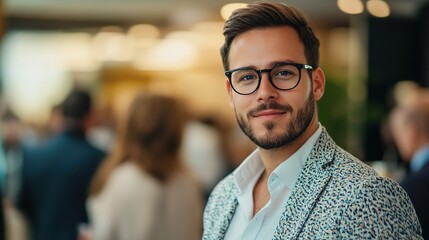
[
  {"x": 2, "y": 219},
  {"x": 204, "y": 151},
  {"x": 57, "y": 174},
  {"x": 410, "y": 131},
  {"x": 2, "y": 210},
  {"x": 12, "y": 142},
  {"x": 11, "y": 129},
  {"x": 298, "y": 183},
  {"x": 102, "y": 133},
  {"x": 142, "y": 190},
  {"x": 55, "y": 122}
]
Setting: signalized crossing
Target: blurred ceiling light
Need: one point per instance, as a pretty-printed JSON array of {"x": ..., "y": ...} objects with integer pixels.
[
  {"x": 113, "y": 46},
  {"x": 378, "y": 8},
  {"x": 227, "y": 9},
  {"x": 350, "y": 6},
  {"x": 46, "y": 78},
  {"x": 202, "y": 40},
  {"x": 75, "y": 49},
  {"x": 144, "y": 35},
  {"x": 170, "y": 54},
  {"x": 141, "y": 31}
]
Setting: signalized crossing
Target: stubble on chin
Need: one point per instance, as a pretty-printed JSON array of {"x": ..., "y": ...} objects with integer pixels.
[
  {"x": 269, "y": 138},
  {"x": 272, "y": 140},
  {"x": 269, "y": 126}
]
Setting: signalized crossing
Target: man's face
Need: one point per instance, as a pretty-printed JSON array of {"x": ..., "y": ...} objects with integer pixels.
[
  {"x": 404, "y": 134},
  {"x": 270, "y": 117}
]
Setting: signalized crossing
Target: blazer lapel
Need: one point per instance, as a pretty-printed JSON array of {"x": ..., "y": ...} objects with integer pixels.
[
  {"x": 225, "y": 212},
  {"x": 310, "y": 184},
  {"x": 227, "y": 217}
]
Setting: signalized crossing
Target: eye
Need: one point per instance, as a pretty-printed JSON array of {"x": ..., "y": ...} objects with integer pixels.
[
  {"x": 283, "y": 73},
  {"x": 248, "y": 77},
  {"x": 244, "y": 76}
]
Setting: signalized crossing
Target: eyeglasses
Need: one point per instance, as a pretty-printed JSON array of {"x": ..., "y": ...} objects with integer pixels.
[{"x": 283, "y": 76}]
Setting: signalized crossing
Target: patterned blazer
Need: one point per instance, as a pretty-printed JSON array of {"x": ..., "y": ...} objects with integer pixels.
[{"x": 336, "y": 196}]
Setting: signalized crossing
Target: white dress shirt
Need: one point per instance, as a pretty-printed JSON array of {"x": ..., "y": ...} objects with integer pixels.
[{"x": 280, "y": 184}]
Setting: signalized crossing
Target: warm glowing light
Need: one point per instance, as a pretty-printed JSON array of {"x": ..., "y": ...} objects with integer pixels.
[
  {"x": 144, "y": 35},
  {"x": 227, "y": 9},
  {"x": 378, "y": 8},
  {"x": 113, "y": 46},
  {"x": 46, "y": 79},
  {"x": 75, "y": 49},
  {"x": 350, "y": 6},
  {"x": 169, "y": 54},
  {"x": 142, "y": 31},
  {"x": 200, "y": 40}
]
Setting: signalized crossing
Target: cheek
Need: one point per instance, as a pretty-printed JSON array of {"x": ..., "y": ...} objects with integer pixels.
[
  {"x": 300, "y": 100},
  {"x": 303, "y": 91},
  {"x": 240, "y": 103}
]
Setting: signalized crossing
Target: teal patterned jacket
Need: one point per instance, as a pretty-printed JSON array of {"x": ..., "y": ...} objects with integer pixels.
[{"x": 336, "y": 196}]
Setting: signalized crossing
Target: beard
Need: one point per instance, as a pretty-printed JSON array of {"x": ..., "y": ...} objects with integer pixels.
[{"x": 272, "y": 140}]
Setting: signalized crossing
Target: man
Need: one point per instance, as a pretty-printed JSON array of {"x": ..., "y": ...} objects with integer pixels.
[
  {"x": 298, "y": 184},
  {"x": 12, "y": 140},
  {"x": 410, "y": 132},
  {"x": 56, "y": 175}
]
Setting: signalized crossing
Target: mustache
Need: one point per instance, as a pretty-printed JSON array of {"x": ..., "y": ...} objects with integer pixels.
[{"x": 271, "y": 105}]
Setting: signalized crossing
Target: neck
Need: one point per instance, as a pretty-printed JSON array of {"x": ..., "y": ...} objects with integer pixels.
[{"x": 272, "y": 158}]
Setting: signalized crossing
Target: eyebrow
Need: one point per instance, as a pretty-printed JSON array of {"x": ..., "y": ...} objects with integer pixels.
[{"x": 271, "y": 64}]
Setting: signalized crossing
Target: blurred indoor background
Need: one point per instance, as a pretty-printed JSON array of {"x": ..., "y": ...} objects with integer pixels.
[{"x": 116, "y": 48}]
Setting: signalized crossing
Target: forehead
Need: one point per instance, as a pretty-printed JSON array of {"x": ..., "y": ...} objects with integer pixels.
[{"x": 262, "y": 46}]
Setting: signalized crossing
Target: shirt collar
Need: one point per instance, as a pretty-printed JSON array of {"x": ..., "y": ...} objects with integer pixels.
[
  {"x": 420, "y": 159},
  {"x": 249, "y": 171}
]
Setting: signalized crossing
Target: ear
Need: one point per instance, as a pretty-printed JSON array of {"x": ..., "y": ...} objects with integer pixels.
[
  {"x": 318, "y": 84},
  {"x": 230, "y": 92}
]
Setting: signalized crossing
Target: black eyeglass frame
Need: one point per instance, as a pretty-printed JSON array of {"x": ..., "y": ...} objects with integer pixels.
[{"x": 299, "y": 66}]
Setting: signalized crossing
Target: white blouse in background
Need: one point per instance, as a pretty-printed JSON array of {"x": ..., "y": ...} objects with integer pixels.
[{"x": 133, "y": 206}]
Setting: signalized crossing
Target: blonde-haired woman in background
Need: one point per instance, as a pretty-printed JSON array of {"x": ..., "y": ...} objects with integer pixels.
[{"x": 142, "y": 190}]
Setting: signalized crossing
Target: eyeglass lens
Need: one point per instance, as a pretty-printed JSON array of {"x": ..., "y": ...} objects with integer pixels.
[{"x": 284, "y": 77}]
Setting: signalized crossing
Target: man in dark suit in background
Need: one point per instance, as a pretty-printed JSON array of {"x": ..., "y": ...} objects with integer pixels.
[
  {"x": 410, "y": 131},
  {"x": 56, "y": 175},
  {"x": 2, "y": 217}
]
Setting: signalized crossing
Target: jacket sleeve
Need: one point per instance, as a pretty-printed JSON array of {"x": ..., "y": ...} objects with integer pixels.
[{"x": 379, "y": 209}]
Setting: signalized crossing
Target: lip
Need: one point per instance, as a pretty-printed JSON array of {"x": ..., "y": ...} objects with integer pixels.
[{"x": 269, "y": 114}]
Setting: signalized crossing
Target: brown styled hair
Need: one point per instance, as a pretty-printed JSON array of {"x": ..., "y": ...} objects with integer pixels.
[
  {"x": 150, "y": 137},
  {"x": 264, "y": 15}
]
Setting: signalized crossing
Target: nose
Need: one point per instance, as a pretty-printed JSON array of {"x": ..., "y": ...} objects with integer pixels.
[{"x": 266, "y": 90}]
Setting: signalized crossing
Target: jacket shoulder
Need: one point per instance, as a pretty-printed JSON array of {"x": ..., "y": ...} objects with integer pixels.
[
  {"x": 223, "y": 191},
  {"x": 369, "y": 205},
  {"x": 220, "y": 208}
]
